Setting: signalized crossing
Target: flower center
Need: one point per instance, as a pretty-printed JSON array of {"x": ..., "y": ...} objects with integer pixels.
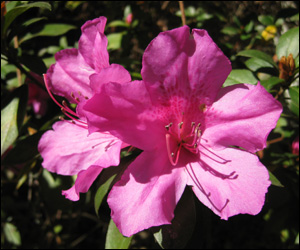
[{"x": 182, "y": 137}]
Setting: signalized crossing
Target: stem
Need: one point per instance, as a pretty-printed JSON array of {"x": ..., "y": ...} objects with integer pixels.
[
  {"x": 18, "y": 71},
  {"x": 181, "y": 5}
]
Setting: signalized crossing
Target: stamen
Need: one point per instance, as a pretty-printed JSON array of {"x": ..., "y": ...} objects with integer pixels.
[
  {"x": 64, "y": 107},
  {"x": 168, "y": 126},
  {"x": 171, "y": 155},
  {"x": 201, "y": 189},
  {"x": 180, "y": 125}
]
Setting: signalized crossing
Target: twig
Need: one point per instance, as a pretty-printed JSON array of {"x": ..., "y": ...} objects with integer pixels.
[
  {"x": 18, "y": 71},
  {"x": 181, "y": 5}
]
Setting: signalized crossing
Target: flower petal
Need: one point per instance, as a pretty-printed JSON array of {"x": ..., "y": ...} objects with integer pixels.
[
  {"x": 113, "y": 73},
  {"x": 68, "y": 149},
  {"x": 242, "y": 191},
  {"x": 83, "y": 182},
  {"x": 147, "y": 193},
  {"x": 243, "y": 115},
  {"x": 92, "y": 44},
  {"x": 70, "y": 74},
  {"x": 125, "y": 111},
  {"x": 181, "y": 64}
]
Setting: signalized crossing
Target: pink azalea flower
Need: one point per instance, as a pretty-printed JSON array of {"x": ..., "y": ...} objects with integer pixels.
[
  {"x": 192, "y": 132},
  {"x": 68, "y": 149},
  {"x": 37, "y": 97},
  {"x": 295, "y": 146}
]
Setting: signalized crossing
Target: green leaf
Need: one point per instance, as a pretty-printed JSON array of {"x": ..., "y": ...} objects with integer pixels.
[
  {"x": 12, "y": 116},
  {"x": 114, "y": 239},
  {"x": 12, "y": 234},
  {"x": 17, "y": 11},
  {"x": 177, "y": 234},
  {"x": 49, "y": 30},
  {"x": 230, "y": 31},
  {"x": 118, "y": 23},
  {"x": 255, "y": 64},
  {"x": 257, "y": 54},
  {"x": 288, "y": 43},
  {"x": 294, "y": 105},
  {"x": 115, "y": 40},
  {"x": 102, "y": 191},
  {"x": 237, "y": 76},
  {"x": 249, "y": 27},
  {"x": 274, "y": 180},
  {"x": 25, "y": 149},
  {"x": 266, "y": 20},
  {"x": 34, "y": 63},
  {"x": 271, "y": 82}
]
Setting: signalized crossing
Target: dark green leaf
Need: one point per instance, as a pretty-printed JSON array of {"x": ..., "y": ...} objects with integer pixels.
[
  {"x": 257, "y": 54},
  {"x": 17, "y": 11},
  {"x": 49, "y": 30},
  {"x": 288, "y": 43},
  {"x": 34, "y": 63},
  {"x": 249, "y": 27},
  {"x": 115, "y": 40},
  {"x": 266, "y": 20},
  {"x": 177, "y": 234},
  {"x": 12, "y": 116},
  {"x": 102, "y": 191},
  {"x": 237, "y": 76},
  {"x": 12, "y": 234},
  {"x": 118, "y": 23},
  {"x": 294, "y": 105},
  {"x": 274, "y": 180},
  {"x": 230, "y": 31},
  {"x": 255, "y": 64},
  {"x": 114, "y": 239},
  {"x": 25, "y": 149},
  {"x": 271, "y": 82}
]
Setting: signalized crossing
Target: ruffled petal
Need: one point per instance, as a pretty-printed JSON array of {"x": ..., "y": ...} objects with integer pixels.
[
  {"x": 125, "y": 110},
  {"x": 243, "y": 115},
  {"x": 70, "y": 74},
  {"x": 69, "y": 149},
  {"x": 177, "y": 63},
  {"x": 92, "y": 44},
  {"x": 113, "y": 73},
  {"x": 229, "y": 181},
  {"x": 83, "y": 182},
  {"x": 147, "y": 193}
]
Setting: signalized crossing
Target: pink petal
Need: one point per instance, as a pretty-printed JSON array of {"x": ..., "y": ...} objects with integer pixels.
[
  {"x": 70, "y": 74},
  {"x": 125, "y": 111},
  {"x": 185, "y": 65},
  {"x": 242, "y": 193},
  {"x": 83, "y": 182},
  {"x": 113, "y": 73},
  {"x": 147, "y": 193},
  {"x": 68, "y": 149},
  {"x": 243, "y": 115},
  {"x": 93, "y": 44}
]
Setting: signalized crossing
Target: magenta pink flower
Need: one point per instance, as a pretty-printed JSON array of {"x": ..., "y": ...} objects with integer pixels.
[
  {"x": 191, "y": 130},
  {"x": 295, "y": 146},
  {"x": 68, "y": 149},
  {"x": 37, "y": 97}
]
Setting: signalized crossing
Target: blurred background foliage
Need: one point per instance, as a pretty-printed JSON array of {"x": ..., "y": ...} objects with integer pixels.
[{"x": 261, "y": 38}]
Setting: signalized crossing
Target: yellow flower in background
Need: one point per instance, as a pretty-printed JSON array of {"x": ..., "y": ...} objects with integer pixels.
[{"x": 269, "y": 32}]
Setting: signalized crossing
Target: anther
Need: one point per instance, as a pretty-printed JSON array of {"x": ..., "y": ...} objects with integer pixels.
[
  {"x": 168, "y": 126},
  {"x": 180, "y": 125}
]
